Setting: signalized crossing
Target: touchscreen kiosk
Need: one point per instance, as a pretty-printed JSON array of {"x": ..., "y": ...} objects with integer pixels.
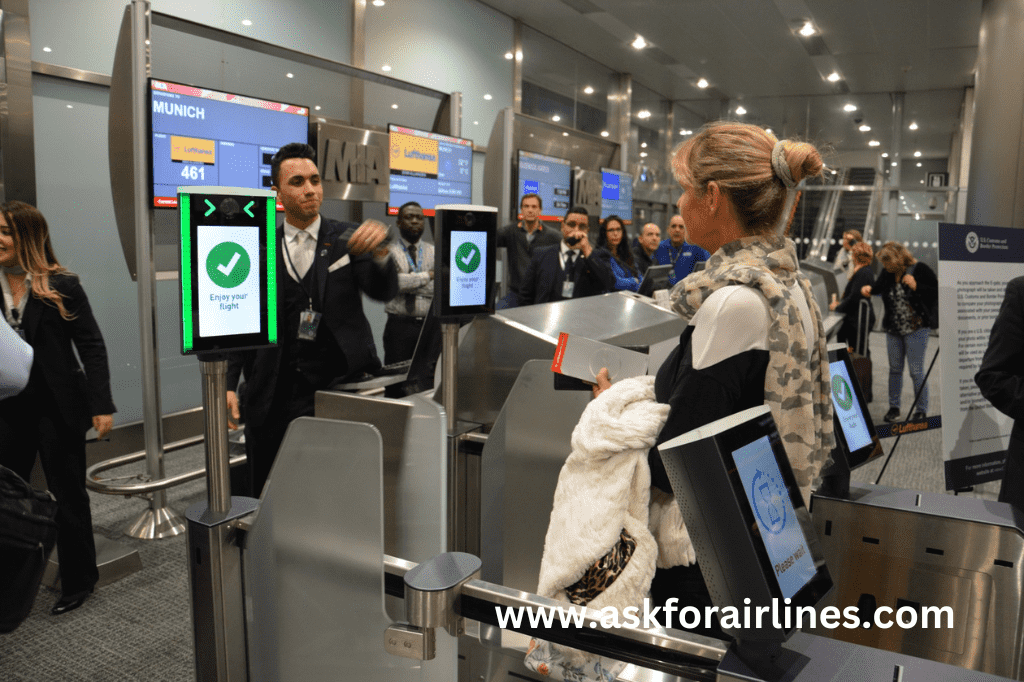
[
  {"x": 228, "y": 257},
  {"x": 465, "y": 256},
  {"x": 855, "y": 432},
  {"x": 747, "y": 519}
]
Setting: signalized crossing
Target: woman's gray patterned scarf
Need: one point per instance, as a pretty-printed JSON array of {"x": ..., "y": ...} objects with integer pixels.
[{"x": 797, "y": 390}]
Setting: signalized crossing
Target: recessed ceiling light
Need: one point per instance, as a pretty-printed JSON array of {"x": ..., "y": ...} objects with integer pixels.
[
  {"x": 643, "y": 145},
  {"x": 864, "y": 128},
  {"x": 702, "y": 83},
  {"x": 643, "y": 155},
  {"x": 918, "y": 164},
  {"x": 556, "y": 118},
  {"x": 246, "y": 22},
  {"x": 476, "y": 123},
  {"x": 519, "y": 55},
  {"x": 874, "y": 143},
  {"x": 290, "y": 75},
  {"x": 894, "y": 165},
  {"x": 386, "y": 67},
  {"x": 488, "y": 96},
  {"x": 394, "y": 106},
  {"x": 70, "y": 107},
  {"x": 643, "y": 113},
  {"x": 604, "y": 133},
  {"x": 317, "y": 107},
  {"x": 917, "y": 154},
  {"x": 740, "y": 111},
  {"x": 808, "y": 29},
  {"x": 588, "y": 90},
  {"x": 850, "y": 107},
  {"x": 565, "y": 134},
  {"x": 834, "y": 77},
  {"x": 913, "y": 126},
  {"x": 378, "y": 3},
  {"x": 509, "y": 55},
  {"x": 885, "y": 155},
  {"x": 47, "y": 49},
  {"x": 639, "y": 43}
]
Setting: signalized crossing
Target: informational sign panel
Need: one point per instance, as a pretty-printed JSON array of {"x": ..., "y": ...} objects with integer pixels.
[
  {"x": 464, "y": 280},
  {"x": 228, "y": 259},
  {"x": 975, "y": 264}
]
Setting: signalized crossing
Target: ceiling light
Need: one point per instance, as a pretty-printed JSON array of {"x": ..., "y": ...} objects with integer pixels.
[
  {"x": 643, "y": 113},
  {"x": 394, "y": 106},
  {"x": 290, "y": 75},
  {"x": 864, "y": 128},
  {"x": 70, "y": 107},
  {"x": 913, "y": 126},
  {"x": 808, "y": 29},
  {"x": 702, "y": 83},
  {"x": 519, "y": 55},
  {"x": 874, "y": 143},
  {"x": 378, "y": 3},
  {"x": 643, "y": 145},
  {"x": 918, "y": 164},
  {"x": 740, "y": 111},
  {"x": 604, "y": 133},
  {"x": 769, "y": 131},
  {"x": 246, "y": 22},
  {"x": 834, "y": 77},
  {"x": 488, "y": 97},
  {"x": 386, "y": 67},
  {"x": 850, "y": 107},
  {"x": 639, "y": 43},
  {"x": 588, "y": 90},
  {"x": 509, "y": 55},
  {"x": 684, "y": 131},
  {"x": 918, "y": 154},
  {"x": 565, "y": 134},
  {"x": 317, "y": 107},
  {"x": 47, "y": 49},
  {"x": 894, "y": 165},
  {"x": 556, "y": 118},
  {"x": 476, "y": 123},
  {"x": 885, "y": 155},
  {"x": 643, "y": 155}
]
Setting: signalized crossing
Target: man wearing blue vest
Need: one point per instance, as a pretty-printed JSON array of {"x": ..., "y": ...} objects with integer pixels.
[{"x": 676, "y": 252}]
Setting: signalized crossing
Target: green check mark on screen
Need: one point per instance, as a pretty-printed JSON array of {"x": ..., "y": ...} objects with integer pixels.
[
  {"x": 227, "y": 265},
  {"x": 467, "y": 257}
]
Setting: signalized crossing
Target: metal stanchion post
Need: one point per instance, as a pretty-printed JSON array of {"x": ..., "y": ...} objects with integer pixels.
[
  {"x": 215, "y": 560},
  {"x": 449, "y": 374}
]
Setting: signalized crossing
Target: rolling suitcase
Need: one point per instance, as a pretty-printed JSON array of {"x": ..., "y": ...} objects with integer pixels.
[
  {"x": 28, "y": 532},
  {"x": 859, "y": 356}
]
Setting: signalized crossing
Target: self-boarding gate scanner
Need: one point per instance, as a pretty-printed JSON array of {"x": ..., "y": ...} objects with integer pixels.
[{"x": 228, "y": 302}]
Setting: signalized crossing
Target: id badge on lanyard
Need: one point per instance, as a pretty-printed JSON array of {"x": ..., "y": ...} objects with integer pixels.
[
  {"x": 567, "y": 288},
  {"x": 309, "y": 321}
]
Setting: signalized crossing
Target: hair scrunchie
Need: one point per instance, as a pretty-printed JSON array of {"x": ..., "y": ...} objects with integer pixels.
[{"x": 780, "y": 167}]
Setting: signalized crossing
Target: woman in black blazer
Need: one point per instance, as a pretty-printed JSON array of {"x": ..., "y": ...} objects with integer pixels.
[
  {"x": 46, "y": 304},
  {"x": 861, "y": 255}
]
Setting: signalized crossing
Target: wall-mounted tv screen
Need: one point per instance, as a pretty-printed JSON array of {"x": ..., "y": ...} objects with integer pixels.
[
  {"x": 210, "y": 138},
  {"x": 429, "y": 168},
  {"x": 616, "y": 194},
  {"x": 548, "y": 177}
]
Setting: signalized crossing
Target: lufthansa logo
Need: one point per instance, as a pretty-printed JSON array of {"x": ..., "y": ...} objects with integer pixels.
[
  {"x": 768, "y": 495},
  {"x": 972, "y": 242}
]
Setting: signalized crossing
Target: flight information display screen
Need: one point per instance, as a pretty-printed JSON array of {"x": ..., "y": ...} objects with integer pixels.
[
  {"x": 616, "y": 194},
  {"x": 428, "y": 168},
  {"x": 203, "y": 137},
  {"x": 548, "y": 177}
]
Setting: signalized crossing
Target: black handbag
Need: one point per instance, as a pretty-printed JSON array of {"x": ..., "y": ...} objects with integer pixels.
[{"x": 28, "y": 533}]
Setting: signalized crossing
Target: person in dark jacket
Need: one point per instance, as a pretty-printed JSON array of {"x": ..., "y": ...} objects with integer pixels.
[
  {"x": 1001, "y": 380},
  {"x": 47, "y": 305},
  {"x": 849, "y": 333},
  {"x": 614, "y": 247},
  {"x": 909, "y": 292},
  {"x": 571, "y": 269}
]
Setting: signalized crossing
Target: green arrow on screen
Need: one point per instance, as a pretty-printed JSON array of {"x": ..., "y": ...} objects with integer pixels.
[
  {"x": 248, "y": 206},
  {"x": 212, "y": 208}
]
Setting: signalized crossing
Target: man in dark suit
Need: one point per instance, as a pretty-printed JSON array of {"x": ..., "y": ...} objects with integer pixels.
[
  {"x": 1001, "y": 380},
  {"x": 325, "y": 336},
  {"x": 568, "y": 270},
  {"x": 647, "y": 244}
]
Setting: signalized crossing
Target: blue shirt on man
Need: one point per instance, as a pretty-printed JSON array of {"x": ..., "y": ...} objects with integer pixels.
[{"x": 681, "y": 258}]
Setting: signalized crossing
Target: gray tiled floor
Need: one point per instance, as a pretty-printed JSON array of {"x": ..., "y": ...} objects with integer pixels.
[{"x": 140, "y": 628}]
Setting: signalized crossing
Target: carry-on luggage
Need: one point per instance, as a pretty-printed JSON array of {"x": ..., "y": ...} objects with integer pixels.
[
  {"x": 859, "y": 356},
  {"x": 28, "y": 533}
]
